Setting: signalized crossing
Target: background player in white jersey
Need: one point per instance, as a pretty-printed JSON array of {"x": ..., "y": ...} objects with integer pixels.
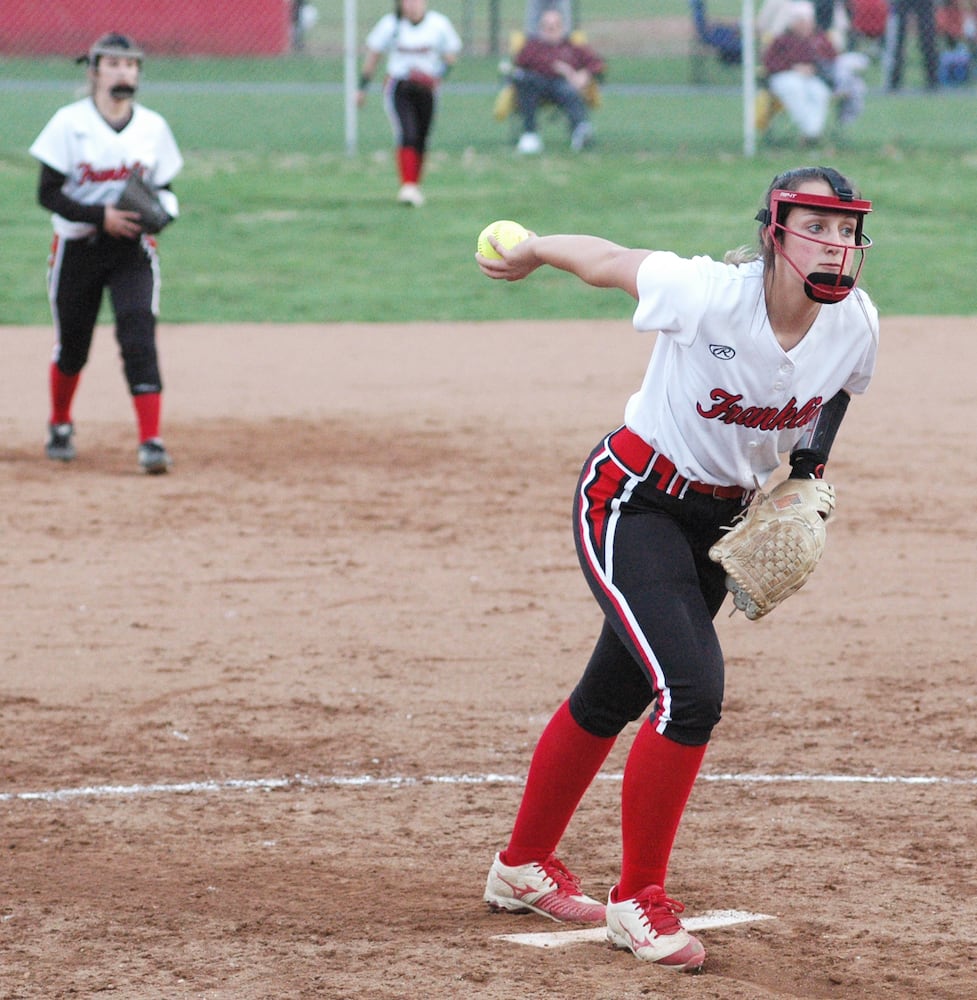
[
  {"x": 422, "y": 46},
  {"x": 755, "y": 357},
  {"x": 87, "y": 151}
]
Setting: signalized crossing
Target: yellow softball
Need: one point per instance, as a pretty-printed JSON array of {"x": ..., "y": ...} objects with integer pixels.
[{"x": 507, "y": 232}]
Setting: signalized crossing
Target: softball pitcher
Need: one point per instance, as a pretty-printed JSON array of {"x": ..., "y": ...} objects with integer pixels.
[
  {"x": 755, "y": 357},
  {"x": 87, "y": 151},
  {"x": 422, "y": 47}
]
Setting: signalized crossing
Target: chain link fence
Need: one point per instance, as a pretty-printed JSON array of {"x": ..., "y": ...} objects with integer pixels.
[
  {"x": 276, "y": 27},
  {"x": 660, "y": 48}
]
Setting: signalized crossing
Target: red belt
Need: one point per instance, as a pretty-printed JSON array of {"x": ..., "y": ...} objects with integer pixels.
[{"x": 640, "y": 458}]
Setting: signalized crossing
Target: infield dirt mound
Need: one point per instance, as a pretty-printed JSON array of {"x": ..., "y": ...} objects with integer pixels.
[{"x": 361, "y": 571}]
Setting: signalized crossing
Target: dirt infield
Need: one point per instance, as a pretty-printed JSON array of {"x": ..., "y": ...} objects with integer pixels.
[{"x": 264, "y": 719}]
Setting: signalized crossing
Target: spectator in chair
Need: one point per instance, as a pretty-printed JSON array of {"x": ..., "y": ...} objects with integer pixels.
[
  {"x": 794, "y": 62},
  {"x": 551, "y": 67},
  {"x": 535, "y": 8},
  {"x": 839, "y": 66}
]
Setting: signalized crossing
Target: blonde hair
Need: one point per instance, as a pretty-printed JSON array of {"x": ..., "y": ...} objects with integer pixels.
[{"x": 741, "y": 255}]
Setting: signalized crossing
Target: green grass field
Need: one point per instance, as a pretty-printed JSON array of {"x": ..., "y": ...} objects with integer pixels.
[{"x": 279, "y": 223}]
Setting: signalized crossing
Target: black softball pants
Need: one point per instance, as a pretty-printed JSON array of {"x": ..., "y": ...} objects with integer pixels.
[
  {"x": 79, "y": 273},
  {"x": 645, "y": 555},
  {"x": 413, "y": 114}
]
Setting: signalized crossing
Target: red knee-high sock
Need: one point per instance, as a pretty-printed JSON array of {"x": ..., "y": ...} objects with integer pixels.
[
  {"x": 409, "y": 162},
  {"x": 62, "y": 393},
  {"x": 565, "y": 762},
  {"x": 658, "y": 778},
  {"x": 148, "y": 406}
]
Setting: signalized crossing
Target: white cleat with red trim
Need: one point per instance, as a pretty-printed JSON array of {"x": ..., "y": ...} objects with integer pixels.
[
  {"x": 648, "y": 927},
  {"x": 546, "y": 887}
]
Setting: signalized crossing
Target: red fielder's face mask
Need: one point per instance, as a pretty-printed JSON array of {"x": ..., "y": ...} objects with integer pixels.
[{"x": 821, "y": 286}]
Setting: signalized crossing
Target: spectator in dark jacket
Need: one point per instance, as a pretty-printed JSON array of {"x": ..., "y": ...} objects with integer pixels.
[{"x": 551, "y": 67}]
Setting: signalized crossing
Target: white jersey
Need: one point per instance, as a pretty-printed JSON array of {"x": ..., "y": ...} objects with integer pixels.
[
  {"x": 420, "y": 46},
  {"x": 721, "y": 398},
  {"x": 96, "y": 160}
]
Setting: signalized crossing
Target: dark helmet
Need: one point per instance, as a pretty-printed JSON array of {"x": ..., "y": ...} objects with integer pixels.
[{"x": 112, "y": 44}]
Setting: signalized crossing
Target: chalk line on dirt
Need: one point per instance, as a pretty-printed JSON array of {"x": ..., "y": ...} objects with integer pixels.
[{"x": 300, "y": 781}]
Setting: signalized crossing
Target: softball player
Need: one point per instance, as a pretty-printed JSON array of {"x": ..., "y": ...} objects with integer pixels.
[
  {"x": 87, "y": 151},
  {"x": 422, "y": 47},
  {"x": 755, "y": 357}
]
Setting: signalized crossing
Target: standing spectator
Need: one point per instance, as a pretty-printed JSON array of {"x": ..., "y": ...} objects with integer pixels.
[
  {"x": 551, "y": 67},
  {"x": 792, "y": 62},
  {"x": 422, "y": 46},
  {"x": 924, "y": 14},
  {"x": 87, "y": 151}
]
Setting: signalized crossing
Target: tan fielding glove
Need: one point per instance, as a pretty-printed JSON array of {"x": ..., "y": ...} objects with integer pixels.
[{"x": 772, "y": 551}]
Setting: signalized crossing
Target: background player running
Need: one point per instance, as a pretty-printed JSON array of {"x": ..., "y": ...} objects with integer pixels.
[
  {"x": 755, "y": 357},
  {"x": 87, "y": 151},
  {"x": 422, "y": 46}
]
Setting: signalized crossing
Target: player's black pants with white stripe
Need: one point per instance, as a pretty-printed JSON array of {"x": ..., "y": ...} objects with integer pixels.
[
  {"x": 645, "y": 556},
  {"x": 413, "y": 107},
  {"x": 79, "y": 273}
]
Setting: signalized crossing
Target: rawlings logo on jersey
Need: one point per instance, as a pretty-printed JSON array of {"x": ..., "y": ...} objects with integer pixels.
[
  {"x": 728, "y": 408},
  {"x": 722, "y": 351}
]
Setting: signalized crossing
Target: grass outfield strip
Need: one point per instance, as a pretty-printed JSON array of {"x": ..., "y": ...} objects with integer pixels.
[{"x": 278, "y": 224}]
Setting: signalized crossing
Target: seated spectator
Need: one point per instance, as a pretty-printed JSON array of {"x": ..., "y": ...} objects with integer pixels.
[
  {"x": 792, "y": 63},
  {"x": 841, "y": 69},
  {"x": 551, "y": 67},
  {"x": 535, "y": 8},
  {"x": 722, "y": 36},
  {"x": 849, "y": 85},
  {"x": 956, "y": 21},
  {"x": 841, "y": 65},
  {"x": 956, "y": 26}
]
